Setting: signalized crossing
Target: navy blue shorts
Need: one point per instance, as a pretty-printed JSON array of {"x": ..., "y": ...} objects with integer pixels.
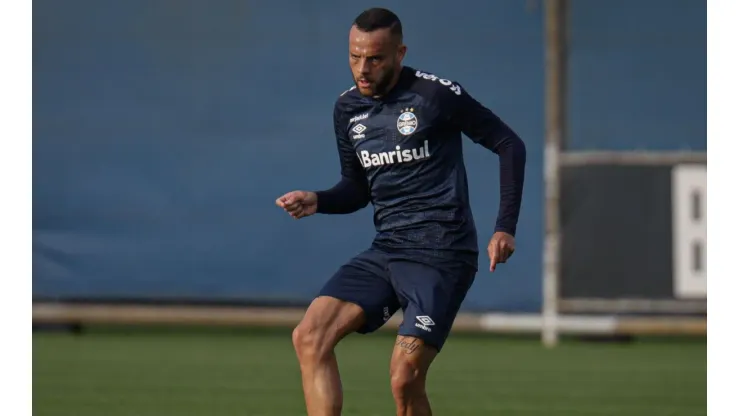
[{"x": 381, "y": 283}]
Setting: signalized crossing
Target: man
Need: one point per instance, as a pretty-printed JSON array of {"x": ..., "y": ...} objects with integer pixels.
[{"x": 398, "y": 131}]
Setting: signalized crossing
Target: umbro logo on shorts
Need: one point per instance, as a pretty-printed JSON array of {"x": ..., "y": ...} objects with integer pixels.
[{"x": 424, "y": 323}]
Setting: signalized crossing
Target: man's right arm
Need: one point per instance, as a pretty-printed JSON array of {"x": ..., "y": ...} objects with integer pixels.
[{"x": 352, "y": 193}]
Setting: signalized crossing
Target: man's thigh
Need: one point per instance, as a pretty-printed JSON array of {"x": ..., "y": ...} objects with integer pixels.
[
  {"x": 430, "y": 297},
  {"x": 364, "y": 281}
]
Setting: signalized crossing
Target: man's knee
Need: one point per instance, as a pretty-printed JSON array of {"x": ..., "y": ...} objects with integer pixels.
[
  {"x": 306, "y": 341},
  {"x": 407, "y": 380},
  {"x": 409, "y": 366}
]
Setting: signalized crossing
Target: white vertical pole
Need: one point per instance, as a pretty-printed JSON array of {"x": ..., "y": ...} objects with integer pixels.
[{"x": 555, "y": 109}]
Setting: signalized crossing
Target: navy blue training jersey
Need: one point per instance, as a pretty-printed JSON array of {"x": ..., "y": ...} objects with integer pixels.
[{"x": 403, "y": 153}]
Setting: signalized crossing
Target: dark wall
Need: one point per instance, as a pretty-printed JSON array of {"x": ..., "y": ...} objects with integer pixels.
[
  {"x": 626, "y": 251},
  {"x": 165, "y": 129}
]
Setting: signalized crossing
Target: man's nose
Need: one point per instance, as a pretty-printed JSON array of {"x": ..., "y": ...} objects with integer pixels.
[{"x": 364, "y": 67}]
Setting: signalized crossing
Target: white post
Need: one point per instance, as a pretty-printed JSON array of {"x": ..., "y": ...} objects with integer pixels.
[{"x": 555, "y": 80}]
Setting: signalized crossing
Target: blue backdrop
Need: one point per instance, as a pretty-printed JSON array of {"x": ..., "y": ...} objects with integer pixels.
[{"x": 164, "y": 130}]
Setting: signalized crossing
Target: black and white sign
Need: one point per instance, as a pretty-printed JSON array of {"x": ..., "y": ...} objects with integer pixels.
[{"x": 689, "y": 188}]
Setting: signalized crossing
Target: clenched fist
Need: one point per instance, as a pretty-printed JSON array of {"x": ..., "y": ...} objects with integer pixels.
[
  {"x": 298, "y": 204},
  {"x": 500, "y": 248}
]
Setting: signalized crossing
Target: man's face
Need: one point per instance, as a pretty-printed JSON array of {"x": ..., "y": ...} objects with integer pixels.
[{"x": 374, "y": 58}]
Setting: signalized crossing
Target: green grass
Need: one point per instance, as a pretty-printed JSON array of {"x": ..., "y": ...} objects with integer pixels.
[{"x": 167, "y": 373}]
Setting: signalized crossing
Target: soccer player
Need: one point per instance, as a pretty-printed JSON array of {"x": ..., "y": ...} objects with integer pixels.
[{"x": 398, "y": 132}]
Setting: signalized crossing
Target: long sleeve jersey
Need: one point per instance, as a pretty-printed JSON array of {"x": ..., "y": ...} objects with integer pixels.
[{"x": 403, "y": 153}]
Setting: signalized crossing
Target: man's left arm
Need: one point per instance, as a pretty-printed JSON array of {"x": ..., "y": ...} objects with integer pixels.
[{"x": 485, "y": 128}]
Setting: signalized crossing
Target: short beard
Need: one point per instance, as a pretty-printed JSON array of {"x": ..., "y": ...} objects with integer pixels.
[{"x": 382, "y": 85}]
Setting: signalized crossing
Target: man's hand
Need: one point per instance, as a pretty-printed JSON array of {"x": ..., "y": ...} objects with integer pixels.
[
  {"x": 298, "y": 204},
  {"x": 500, "y": 248}
]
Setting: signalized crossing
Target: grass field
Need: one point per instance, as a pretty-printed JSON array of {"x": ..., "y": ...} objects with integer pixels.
[{"x": 183, "y": 373}]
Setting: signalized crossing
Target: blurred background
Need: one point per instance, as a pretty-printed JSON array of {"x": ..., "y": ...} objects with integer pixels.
[{"x": 165, "y": 280}]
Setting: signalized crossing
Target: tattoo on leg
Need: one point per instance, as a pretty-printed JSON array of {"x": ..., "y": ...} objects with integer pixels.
[{"x": 408, "y": 344}]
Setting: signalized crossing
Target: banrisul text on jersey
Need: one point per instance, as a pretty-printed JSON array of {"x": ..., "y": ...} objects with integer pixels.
[{"x": 398, "y": 156}]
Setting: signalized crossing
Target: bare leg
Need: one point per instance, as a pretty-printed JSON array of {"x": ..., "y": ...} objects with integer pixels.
[
  {"x": 326, "y": 322},
  {"x": 409, "y": 366}
]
